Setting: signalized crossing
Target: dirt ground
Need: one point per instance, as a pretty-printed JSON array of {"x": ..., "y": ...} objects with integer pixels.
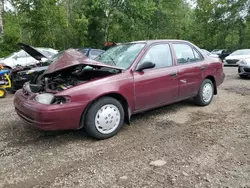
[{"x": 201, "y": 146}]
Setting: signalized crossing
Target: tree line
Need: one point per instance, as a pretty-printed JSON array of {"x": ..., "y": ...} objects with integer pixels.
[{"x": 63, "y": 24}]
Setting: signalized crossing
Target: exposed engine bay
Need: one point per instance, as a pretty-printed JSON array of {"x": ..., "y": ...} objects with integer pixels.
[{"x": 70, "y": 77}]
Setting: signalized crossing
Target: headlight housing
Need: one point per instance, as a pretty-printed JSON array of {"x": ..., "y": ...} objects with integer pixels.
[
  {"x": 44, "y": 98},
  {"x": 48, "y": 98},
  {"x": 243, "y": 62}
]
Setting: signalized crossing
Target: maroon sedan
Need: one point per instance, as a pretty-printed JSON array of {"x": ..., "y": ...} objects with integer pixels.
[{"x": 99, "y": 95}]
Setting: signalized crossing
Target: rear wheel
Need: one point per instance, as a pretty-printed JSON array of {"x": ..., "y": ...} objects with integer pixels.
[
  {"x": 104, "y": 118},
  {"x": 206, "y": 93},
  {"x": 3, "y": 93}
]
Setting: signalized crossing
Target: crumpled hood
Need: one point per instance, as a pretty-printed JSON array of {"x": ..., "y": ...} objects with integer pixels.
[
  {"x": 72, "y": 58},
  {"x": 32, "y": 51}
]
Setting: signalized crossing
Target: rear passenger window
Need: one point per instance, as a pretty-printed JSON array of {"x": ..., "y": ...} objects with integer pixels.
[
  {"x": 159, "y": 54},
  {"x": 197, "y": 56},
  {"x": 186, "y": 54}
]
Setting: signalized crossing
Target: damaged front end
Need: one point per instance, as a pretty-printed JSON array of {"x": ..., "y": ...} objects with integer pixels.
[{"x": 71, "y": 69}]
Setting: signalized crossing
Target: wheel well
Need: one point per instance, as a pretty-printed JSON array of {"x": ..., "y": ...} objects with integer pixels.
[
  {"x": 116, "y": 96},
  {"x": 214, "y": 83}
]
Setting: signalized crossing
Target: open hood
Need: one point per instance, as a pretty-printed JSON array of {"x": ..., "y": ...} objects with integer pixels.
[
  {"x": 72, "y": 58},
  {"x": 32, "y": 51}
]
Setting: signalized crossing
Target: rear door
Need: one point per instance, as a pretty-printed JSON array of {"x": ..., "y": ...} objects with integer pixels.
[
  {"x": 191, "y": 69},
  {"x": 159, "y": 85}
]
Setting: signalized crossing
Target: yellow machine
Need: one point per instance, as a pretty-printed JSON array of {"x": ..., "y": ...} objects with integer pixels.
[{"x": 5, "y": 81}]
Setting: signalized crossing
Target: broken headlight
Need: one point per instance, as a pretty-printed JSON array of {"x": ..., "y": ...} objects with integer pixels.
[
  {"x": 48, "y": 98},
  {"x": 45, "y": 98},
  {"x": 61, "y": 99}
]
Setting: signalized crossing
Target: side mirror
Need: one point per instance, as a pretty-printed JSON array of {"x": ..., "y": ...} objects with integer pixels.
[
  {"x": 145, "y": 65},
  {"x": 43, "y": 59}
]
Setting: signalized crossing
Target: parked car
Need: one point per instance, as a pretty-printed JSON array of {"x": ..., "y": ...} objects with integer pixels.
[
  {"x": 244, "y": 68},
  {"x": 22, "y": 58},
  {"x": 22, "y": 75},
  {"x": 222, "y": 53},
  {"x": 99, "y": 95},
  {"x": 236, "y": 57},
  {"x": 91, "y": 52}
]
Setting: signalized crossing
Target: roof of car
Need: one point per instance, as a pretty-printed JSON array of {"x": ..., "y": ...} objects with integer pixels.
[{"x": 158, "y": 40}]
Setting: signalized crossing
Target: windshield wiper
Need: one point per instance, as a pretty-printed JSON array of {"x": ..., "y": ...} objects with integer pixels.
[{"x": 112, "y": 60}]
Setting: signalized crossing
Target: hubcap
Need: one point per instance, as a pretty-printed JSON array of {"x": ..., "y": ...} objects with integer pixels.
[
  {"x": 107, "y": 119},
  {"x": 207, "y": 92}
]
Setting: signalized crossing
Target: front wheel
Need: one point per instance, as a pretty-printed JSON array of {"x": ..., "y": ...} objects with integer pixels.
[
  {"x": 206, "y": 93},
  {"x": 104, "y": 118}
]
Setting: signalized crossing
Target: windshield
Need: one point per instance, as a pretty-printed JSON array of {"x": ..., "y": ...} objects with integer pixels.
[
  {"x": 122, "y": 55},
  {"x": 241, "y": 52}
]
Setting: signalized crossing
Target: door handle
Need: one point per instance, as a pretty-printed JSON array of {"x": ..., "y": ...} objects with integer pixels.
[
  {"x": 174, "y": 74},
  {"x": 203, "y": 68}
]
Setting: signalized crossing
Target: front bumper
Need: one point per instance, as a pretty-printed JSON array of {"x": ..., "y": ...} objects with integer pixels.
[
  {"x": 48, "y": 117},
  {"x": 244, "y": 70},
  {"x": 232, "y": 62}
]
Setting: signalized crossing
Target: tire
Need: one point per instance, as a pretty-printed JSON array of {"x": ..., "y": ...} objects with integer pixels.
[
  {"x": 96, "y": 124},
  {"x": 199, "y": 99},
  {"x": 3, "y": 93},
  {"x": 243, "y": 76}
]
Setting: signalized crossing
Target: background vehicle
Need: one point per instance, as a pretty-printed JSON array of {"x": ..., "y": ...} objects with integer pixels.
[
  {"x": 22, "y": 58},
  {"x": 237, "y": 56},
  {"x": 108, "y": 45},
  {"x": 126, "y": 79},
  {"x": 90, "y": 52},
  {"x": 32, "y": 73},
  {"x": 244, "y": 68},
  {"x": 4, "y": 81},
  {"x": 222, "y": 53},
  {"x": 209, "y": 53}
]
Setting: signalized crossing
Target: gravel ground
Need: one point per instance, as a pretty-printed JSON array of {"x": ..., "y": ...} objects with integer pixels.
[{"x": 197, "y": 147}]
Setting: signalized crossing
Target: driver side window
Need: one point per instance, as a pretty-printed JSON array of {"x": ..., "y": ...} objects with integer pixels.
[{"x": 160, "y": 55}]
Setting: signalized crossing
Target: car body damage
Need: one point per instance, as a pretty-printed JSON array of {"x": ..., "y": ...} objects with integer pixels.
[
  {"x": 72, "y": 68},
  {"x": 71, "y": 58}
]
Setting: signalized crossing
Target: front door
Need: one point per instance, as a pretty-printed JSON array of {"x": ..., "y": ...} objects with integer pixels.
[{"x": 159, "y": 85}]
